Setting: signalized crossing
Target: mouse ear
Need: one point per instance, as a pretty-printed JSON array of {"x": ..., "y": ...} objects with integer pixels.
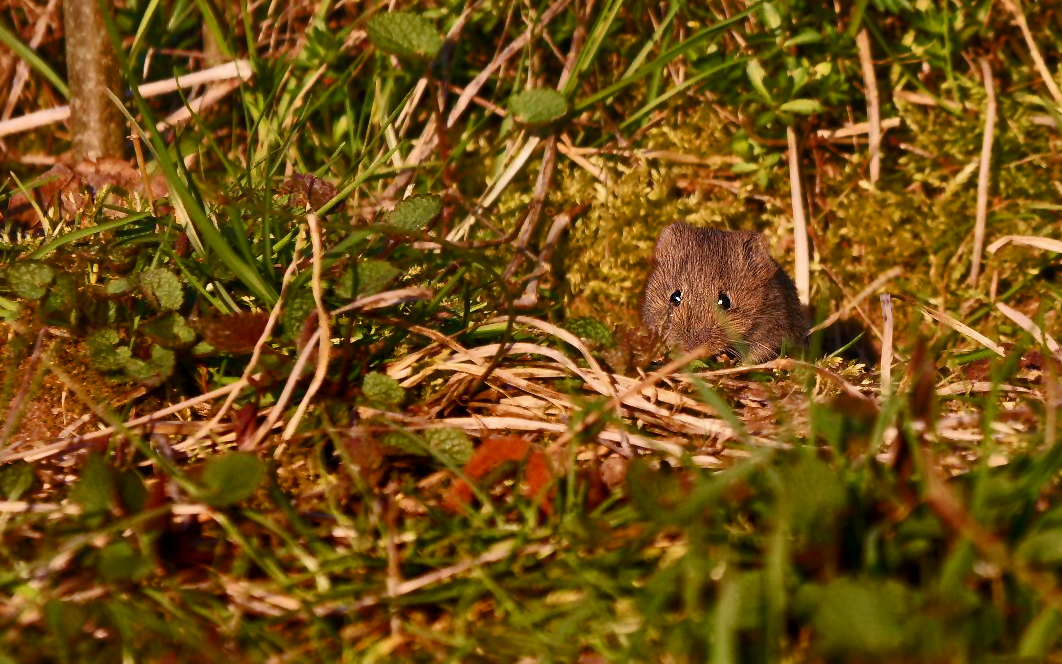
[
  {"x": 669, "y": 238},
  {"x": 757, "y": 254}
]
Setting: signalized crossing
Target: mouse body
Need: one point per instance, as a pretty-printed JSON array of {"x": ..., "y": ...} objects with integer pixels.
[{"x": 722, "y": 289}]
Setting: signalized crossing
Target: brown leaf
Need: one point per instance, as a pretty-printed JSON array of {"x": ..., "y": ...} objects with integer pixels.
[
  {"x": 365, "y": 455},
  {"x": 306, "y": 188},
  {"x": 492, "y": 453},
  {"x": 235, "y": 333}
]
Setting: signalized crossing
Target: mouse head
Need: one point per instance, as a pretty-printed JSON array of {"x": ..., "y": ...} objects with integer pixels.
[{"x": 711, "y": 287}]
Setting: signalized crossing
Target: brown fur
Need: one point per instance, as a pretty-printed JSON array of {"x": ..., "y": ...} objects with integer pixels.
[{"x": 764, "y": 314}]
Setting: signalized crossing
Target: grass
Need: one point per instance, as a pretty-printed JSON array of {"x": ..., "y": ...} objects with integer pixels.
[{"x": 350, "y": 368}]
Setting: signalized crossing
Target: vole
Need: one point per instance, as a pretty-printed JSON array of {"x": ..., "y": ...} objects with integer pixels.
[{"x": 723, "y": 289}]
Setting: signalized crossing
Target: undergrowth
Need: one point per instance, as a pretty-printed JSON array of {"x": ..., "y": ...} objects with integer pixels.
[{"x": 350, "y": 367}]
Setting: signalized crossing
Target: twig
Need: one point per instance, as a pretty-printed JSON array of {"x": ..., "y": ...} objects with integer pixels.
[
  {"x": 985, "y": 173},
  {"x": 324, "y": 334},
  {"x": 240, "y": 69},
  {"x": 873, "y": 103},
  {"x": 886, "y": 346},
  {"x": 245, "y": 379},
  {"x": 800, "y": 225}
]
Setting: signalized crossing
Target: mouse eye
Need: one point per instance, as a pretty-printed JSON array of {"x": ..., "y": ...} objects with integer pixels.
[
  {"x": 676, "y": 298},
  {"x": 724, "y": 302}
]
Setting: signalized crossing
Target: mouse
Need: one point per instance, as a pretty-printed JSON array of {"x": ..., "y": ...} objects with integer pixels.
[{"x": 722, "y": 289}]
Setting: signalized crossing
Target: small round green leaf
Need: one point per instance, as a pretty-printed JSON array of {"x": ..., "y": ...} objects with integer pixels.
[
  {"x": 407, "y": 35},
  {"x": 163, "y": 288},
  {"x": 415, "y": 212},
  {"x": 156, "y": 370},
  {"x": 30, "y": 279},
  {"x": 451, "y": 443},
  {"x": 104, "y": 351},
  {"x": 230, "y": 478},
  {"x": 118, "y": 286},
  {"x": 382, "y": 390},
  {"x": 539, "y": 106}
]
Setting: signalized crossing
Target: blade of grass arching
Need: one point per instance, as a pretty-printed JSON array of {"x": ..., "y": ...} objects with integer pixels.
[
  {"x": 686, "y": 85},
  {"x": 211, "y": 23},
  {"x": 644, "y": 53},
  {"x": 230, "y": 168},
  {"x": 82, "y": 233},
  {"x": 145, "y": 21},
  {"x": 209, "y": 233},
  {"x": 664, "y": 59},
  {"x": 239, "y": 234},
  {"x": 857, "y": 19},
  {"x": 593, "y": 43},
  {"x": 30, "y": 57}
]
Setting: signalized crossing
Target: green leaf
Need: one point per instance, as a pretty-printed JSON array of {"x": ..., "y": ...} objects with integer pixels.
[
  {"x": 30, "y": 279},
  {"x": 771, "y": 16},
  {"x": 373, "y": 276},
  {"x": 230, "y": 478},
  {"x": 118, "y": 286},
  {"x": 1041, "y": 635},
  {"x": 756, "y": 76},
  {"x": 590, "y": 329},
  {"x": 16, "y": 479},
  {"x": 801, "y": 106},
  {"x": 539, "y": 106},
  {"x": 156, "y": 370},
  {"x": 860, "y": 618},
  {"x": 169, "y": 331},
  {"x": 162, "y": 288},
  {"x": 296, "y": 309},
  {"x": 414, "y": 213},
  {"x": 815, "y": 494},
  {"x": 1042, "y": 548},
  {"x": 382, "y": 390},
  {"x": 743, "y": 167},
  {"x": 94, "y": 491},
  {"x": 119, "y": 561},
  {"x": 104, "y": 351},
  {"x": 807, "y": 36},
  {"x": 407, "y": 35},
  {"x": 451, "y": 443}
]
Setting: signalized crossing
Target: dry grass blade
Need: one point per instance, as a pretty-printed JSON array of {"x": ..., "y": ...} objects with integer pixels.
[
  {"x": 1026, "y": 323},
  {"x": 1034, "y": 51},
  {"x": 800, "y": 224},
  {"x": 324, "y": 330},
  {"x": 985, "y": 171},
  {"x": 958, "y": 326},
  {"x": 1047, "y": 244},
  {"x": 882, "y": 279},
  {"x": 886, "y": 346},
  {"x": 866, "y": 61}
]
